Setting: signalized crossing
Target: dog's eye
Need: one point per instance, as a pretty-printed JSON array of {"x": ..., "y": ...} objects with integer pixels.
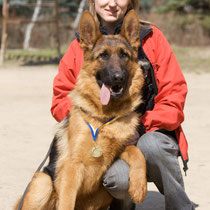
[
  {"x": 104, "y": 55},
  {"x": 123, "y": 54}
]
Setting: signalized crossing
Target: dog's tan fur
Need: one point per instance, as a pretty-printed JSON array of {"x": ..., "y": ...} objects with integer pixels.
[{"x": 78, "y": 173}]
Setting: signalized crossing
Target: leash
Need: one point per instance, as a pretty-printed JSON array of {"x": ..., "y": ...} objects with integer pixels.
[{"x": 38, "y": 169}]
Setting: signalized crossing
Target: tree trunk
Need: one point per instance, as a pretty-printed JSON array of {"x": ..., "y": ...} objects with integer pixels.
[
  {"x": 5, "y": 14},
  {"x": 26, "y": 44},
  {"x": 57, "y": 32},
  {"x": 79, "y": 13}
]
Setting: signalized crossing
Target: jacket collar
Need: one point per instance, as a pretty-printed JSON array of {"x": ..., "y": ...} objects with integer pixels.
[
  {"x": 144, "y": 32},
  {"x": 116, "y": 31}
]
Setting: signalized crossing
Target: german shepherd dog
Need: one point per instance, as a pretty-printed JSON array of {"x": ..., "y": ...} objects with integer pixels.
[{"x": 109, "y": 85}]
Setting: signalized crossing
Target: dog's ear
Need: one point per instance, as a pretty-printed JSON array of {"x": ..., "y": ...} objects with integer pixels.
[
  {"x": 131, "y": 29},
  {"x": 89, "y": 31}
]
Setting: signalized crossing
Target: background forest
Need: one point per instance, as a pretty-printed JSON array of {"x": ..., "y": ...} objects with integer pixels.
[{"x": 184, "y": 22}]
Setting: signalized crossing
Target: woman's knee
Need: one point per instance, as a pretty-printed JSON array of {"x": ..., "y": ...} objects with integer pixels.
[
  {"x": 155, "y": 144},
  {"x": 116, "y": 179}
]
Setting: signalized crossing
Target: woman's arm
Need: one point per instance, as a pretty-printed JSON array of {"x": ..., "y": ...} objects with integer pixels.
[
  {"x": 65, "y": 81},
  {"x": 172, "y": 88}
]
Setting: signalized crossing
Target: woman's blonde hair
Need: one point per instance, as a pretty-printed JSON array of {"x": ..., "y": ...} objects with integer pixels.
[{"x": 133, "y": 4}]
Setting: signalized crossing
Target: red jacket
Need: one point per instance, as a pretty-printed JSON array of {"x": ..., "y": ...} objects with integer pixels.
[{"x": 172, "y": 88}]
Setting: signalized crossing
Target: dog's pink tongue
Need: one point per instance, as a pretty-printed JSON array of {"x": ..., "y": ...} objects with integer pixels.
[{"x": 105, "y": 95}]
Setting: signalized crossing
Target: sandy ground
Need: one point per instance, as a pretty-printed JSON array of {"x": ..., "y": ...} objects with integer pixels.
[{"x": 27, "y": 128}]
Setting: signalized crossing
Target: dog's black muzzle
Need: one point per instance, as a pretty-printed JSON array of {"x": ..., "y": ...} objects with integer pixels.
[{"x": 115, "y": 80}]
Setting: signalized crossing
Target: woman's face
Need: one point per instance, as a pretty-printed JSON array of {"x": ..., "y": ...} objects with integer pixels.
[{"x": 111, "y": 11}]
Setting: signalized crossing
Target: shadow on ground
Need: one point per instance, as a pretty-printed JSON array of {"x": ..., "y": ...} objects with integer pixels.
[
  {"x": 54, "y": 61},
  {"x": 155, "y": 201}
]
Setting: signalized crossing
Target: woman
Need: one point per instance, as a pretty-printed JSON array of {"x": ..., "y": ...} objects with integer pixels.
[{"x": 160, "y": 136}]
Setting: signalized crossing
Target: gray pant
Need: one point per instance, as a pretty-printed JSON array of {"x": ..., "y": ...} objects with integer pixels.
[{"x": 161, "y": 152}]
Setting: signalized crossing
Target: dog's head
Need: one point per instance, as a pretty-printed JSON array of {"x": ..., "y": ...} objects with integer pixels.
[{"x": 110, "y": 74}]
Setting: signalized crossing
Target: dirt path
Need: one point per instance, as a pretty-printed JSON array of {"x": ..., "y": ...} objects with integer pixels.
[{"x": 27, "y": 128}]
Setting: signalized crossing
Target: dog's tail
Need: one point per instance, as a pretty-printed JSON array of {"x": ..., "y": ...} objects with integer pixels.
[{"x": 40, "y": 194}]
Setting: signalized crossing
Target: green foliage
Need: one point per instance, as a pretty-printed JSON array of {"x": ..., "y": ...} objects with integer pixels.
[
  {"x": 146, "y": 4},
  {"x": 70, "y": 6},
  {"x": 199, "y": 4},
  {"x": 185, "y": 5},
  {"x": 20, "y": 2},
  {"x": 44, "y": 56},
  {"x": 205, "y": 22},
  {"x": 199, "y": 11},
  {"x": 20, "y": 7},
  {"x": 170, "y": 5}
]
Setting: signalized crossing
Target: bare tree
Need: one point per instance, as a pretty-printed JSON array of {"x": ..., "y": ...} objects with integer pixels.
[
  {"x": 26, "y": 43},
  {"x": 79, "y": 13},
  {"x": 5, "y": 14}
]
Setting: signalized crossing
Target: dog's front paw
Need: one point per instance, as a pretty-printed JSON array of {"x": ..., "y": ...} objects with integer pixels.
[{"x": 138, "y": 187}]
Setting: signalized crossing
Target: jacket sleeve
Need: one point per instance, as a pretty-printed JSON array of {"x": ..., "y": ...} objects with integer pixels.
[
  {"x": 172, "y": 89},
  {"x": 63, "y": 83}
]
